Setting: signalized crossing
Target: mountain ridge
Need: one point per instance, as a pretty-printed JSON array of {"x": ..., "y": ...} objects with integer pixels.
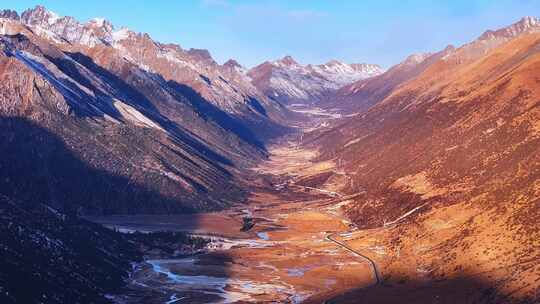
[
  {"x": 188, "y": 146},
  {"x": 430, "y": 170},
  {"x": 193, "y": 67},
  {"x": 288, "y": 81},
  {"x": 448, "y": 160},
  {"x": 361, "y": 95}
]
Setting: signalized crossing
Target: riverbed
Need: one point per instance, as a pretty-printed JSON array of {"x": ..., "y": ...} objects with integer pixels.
[{"x": 284, "y": 258}]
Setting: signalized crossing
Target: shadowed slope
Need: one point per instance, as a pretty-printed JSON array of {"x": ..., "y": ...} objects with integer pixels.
[
  {"x": 50, "y": 257},
  {"x": 465, "y": 290},
  {"x": 47, "y": 257},
  {"x": 124, "y": 138}
]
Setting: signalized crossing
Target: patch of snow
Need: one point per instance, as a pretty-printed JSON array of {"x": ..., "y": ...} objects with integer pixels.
[
  {"x": 263, "y": 236},
  {"x": 53, "y": 17},
  {"x": 98, "y": 21},
  {"x": 121, "y": 34},
  {"x": 34, "y": 63},
  {"x": 133, "y": 115},
  {"x": 174, "y": 299},
  {"x": 47, "y": 34},
  {"x": 172, "y": 57}
]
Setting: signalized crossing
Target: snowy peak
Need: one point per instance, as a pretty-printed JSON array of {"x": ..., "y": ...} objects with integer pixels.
[
  {"x": 369, "y": 68},
  {"x": 39, "y": 15},
  {"x": 93, "y": 32},
  {"x": 529, "y": 21},
  {"x": 288, "y": 81},
  {"x": 121, "y": 34},
  {"x": 347, "y": 72},
  {"x": 101, "y": 24},
  {"x": 334, "y": 66},
  {"x": 526, "y": 24},
  {"x": 340, "y": 66},
  {"x": 9, "y": 14},
  {"x": 334, "y": 62}
]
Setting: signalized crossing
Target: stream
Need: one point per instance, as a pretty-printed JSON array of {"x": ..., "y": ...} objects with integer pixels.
[{"x": 205, "y": 278}]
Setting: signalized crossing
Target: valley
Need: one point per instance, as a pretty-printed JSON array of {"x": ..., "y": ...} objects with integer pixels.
[
  {"x": 135, "y": 171},
  {"x": 303, "y": 248},
  {"x": 289, "y": 256}
]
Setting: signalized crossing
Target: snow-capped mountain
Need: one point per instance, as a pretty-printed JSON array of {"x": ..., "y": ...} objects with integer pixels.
[
  {"x": 68, "y": 29},
  {"x": 227, "y": 89},
  {"x": 288, "y": 81},
  {"x": 188, "y": 121}
]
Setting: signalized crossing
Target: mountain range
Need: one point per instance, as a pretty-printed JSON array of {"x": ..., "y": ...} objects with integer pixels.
[
  {"x": 439, "y": 154},
  {"x": 181, "y": 123},
  {"x": 377, "y": 88},
  {"x": 287, "y": 81}
]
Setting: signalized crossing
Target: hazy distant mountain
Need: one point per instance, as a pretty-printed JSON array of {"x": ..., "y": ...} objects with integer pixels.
[{"x": 288, "y": 81}]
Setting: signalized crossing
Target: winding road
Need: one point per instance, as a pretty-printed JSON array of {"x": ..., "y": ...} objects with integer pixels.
[
  {"x": 376, "y": 273},
  {"x": 329, "y": 235}
]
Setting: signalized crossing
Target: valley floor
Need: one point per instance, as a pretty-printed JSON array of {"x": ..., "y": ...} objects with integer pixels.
[
  {"x": 288, "y": 256},
  {"x": 303, "y": 249}
]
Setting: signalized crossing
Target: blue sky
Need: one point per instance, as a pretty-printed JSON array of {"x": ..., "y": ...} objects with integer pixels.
[{"x": 312, "y": 31}]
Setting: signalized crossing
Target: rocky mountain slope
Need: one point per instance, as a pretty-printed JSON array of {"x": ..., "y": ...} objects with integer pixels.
[
  {"x": 145, "y": 127},
  {"x": 194, "y": 67},
  {"x": 448, "y": 162},
  {"x": 362, "y": 94},
  {"x": 288, "y": 81},
  {"x": 99, "y": 121}
]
